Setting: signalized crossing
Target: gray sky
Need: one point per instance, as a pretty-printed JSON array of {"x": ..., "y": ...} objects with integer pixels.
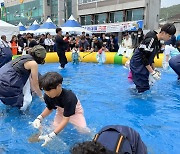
[{"x": 164, "y": 3}]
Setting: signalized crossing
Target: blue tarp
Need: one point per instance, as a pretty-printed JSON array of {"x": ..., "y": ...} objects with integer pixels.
[
  {"x": 22, "y": 28},
  {"x": 33, "y": 27},
  {"x": 71, "y": 23},
  {"x": 48, "y": 25}
]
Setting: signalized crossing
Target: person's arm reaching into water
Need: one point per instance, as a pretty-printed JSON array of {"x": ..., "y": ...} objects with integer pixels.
[
  {"x": 61, "y": 126},
  {"x": 33, "y": 66},
  {"x": 47, "y": 138},
  {"x": 37, "y": 122}
]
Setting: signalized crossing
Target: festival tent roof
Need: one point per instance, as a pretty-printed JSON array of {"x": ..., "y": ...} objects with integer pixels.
[
  {"x": 47, "y": 27},
  {"x": 73, "y": 27},
  {"x": 8, "y": 30},
  {"x": 34, "y": 26},
  {"x": 21, "y": 27},
  {"x": 71, "y": 22}
]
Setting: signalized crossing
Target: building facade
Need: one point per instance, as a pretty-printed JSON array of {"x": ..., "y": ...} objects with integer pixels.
[
  {"x": 108, "y": 12},
  {"x": 87, "y": 12},
  {"x": 26, "y": 11}
]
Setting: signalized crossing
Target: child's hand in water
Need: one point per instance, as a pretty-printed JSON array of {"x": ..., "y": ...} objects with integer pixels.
[
  {"x": 47, "y": 138},
  {"x": 37, "y": 122}
]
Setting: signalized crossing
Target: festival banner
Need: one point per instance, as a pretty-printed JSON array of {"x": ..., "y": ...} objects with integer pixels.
[{"x": 118, "y": 27}]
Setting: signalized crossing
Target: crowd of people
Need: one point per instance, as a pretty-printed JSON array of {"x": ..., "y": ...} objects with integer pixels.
[{"x": 19, "y": 78}]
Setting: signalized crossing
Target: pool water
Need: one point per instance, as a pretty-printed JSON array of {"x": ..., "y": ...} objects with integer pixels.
[{"x": 107, "y": 98}]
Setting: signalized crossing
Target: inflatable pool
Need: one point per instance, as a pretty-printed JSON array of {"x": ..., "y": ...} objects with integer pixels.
[
  {"x": 111, "y": 58},
  {"x": 108, "y": 98}
]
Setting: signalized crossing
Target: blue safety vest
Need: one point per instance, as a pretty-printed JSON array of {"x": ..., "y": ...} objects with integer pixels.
[
  {"x": 13, "y": 77},
  {"x": 121, "y": 140},
  {"x": 5, "y": 55}
]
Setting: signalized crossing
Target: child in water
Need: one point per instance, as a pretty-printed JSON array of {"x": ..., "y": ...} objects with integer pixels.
[
  {"x": 68, "y": 107},
  {"x": 101, "y": 57},
  {"x": 75, "y": 55},
  {"x": 128, "y": 67}
]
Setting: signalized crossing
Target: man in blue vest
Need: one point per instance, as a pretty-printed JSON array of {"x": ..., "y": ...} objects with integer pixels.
[{"x": 113, "y": 139}]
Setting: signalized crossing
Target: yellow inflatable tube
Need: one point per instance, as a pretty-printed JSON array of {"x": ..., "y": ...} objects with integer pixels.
[{"x": 111, "y": 58}]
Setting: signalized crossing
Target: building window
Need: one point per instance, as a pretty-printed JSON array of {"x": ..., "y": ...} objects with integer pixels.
[
  {"x": 26, "y": 13},
  {"x": 87, "y": 1},
  {"x": 54, "y": 11},
  {"x": 111, "y": 17},
  {"x": 134, "y": 14},
  {"x": 80, "y": 1},
  {"x": 100, "y": 18},
  {"x": 48, "y": 3},
  {"x": 69, "y": 8},
  {"x": 138, "y": 14},
  {"x": 83, "y": 20},
  {"x": 86, "y": 20},
  {"x": 129, "y": 15},
  {"x": 116, "y": 17}
]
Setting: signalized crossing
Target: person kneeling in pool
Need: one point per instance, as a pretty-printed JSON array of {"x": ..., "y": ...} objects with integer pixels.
[
  {"x": 68, "y": 107},
  {"x": 14, "y": 76}
]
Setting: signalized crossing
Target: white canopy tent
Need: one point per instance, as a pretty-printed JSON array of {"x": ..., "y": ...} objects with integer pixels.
[{"x": 8, "y": 30}]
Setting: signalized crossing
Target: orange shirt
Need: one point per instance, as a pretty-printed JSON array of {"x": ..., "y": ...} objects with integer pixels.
[{"x": 14, "y": 50}]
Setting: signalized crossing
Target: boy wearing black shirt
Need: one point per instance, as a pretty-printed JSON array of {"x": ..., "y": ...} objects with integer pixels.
[{"x": 68, "y": 107}]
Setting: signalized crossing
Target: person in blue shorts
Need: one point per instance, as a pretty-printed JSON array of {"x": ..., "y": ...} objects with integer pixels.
[{"x": 142, "y": 61}]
